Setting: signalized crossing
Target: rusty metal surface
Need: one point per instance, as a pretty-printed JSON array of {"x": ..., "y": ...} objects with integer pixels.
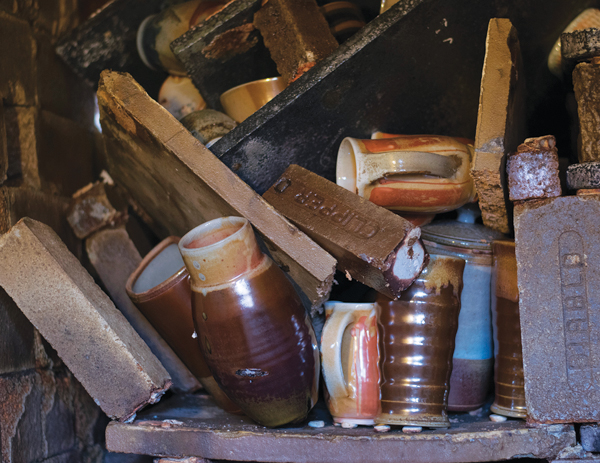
[
  {"x": 192, "y": 425},
  {"x": 558, "y": 267}
]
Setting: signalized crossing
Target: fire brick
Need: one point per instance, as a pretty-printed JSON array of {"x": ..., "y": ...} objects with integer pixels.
[
  {"x": 90, "y": 335},
  {"x": 558, "y": 265},
  {"x": 500, "y": 121}
]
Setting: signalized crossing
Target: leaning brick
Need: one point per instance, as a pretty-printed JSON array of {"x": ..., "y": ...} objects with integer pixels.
[
  {"x": 91, "y": 336},
  {"x": 533, "y": 170}
]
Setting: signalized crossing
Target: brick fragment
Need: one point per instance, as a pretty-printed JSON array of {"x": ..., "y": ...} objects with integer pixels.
[
  {"x": 500, "y": 122},
  {"x": 580, "y": 45},
  {"x": 583, "y": 176},
  {"x": 590, "y": 437},
  {"x": 90, "y": 335},
  {"x": 586, "y": 83},
  {"x": 296, "y": 34},
  {"x": 115, "y": 257},
  {"x": 91, "y": 211},
  {"x": 533, "y": 170},
  {"x": 558, "y": 270}
]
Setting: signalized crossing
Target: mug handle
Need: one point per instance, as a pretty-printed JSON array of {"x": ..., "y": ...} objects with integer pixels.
[
  {"x": 331, "y": 348},
  {"x": 378, "y": 165}
]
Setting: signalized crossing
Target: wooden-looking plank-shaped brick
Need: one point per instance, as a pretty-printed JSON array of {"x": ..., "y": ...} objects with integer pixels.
[
  {"x": 115, "y": 257},
  {"x": 500, "y": 121},
  {"x": 372, "y": 245},
  {"x": 91, "y": 336},
  {"x": 181, "y": 184}
]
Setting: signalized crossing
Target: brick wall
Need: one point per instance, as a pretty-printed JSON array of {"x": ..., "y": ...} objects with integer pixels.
[{"x": 48, "y": 149}]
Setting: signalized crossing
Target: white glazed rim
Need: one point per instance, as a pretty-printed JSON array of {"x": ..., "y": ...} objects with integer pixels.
[
  {"x": 207, "y": 227},
  {"x": 346, "y": 168}
]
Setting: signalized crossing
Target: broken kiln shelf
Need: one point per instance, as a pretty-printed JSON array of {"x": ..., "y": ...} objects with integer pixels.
[{"x": 191, "y": 425}]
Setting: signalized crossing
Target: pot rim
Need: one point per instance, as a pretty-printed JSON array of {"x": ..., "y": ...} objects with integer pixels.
[{"x": 161, "y": 287}]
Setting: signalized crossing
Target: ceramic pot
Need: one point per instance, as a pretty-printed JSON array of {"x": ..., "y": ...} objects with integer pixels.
[
  {"x": 160, "y": 289},
  {"x": 256, "y": 337},
  {"x": 473, "y": 362},
  {"x": 350, "y": 360},
  {"x": 244, "y": 100},
  {"x": 180, "y": 97},
  {"x": 208, "y": 125},
  {"x": 424, "y": 174},
  {"x": 344, "y": 19},
  {"x": 508, "y": 352},
  {"x": 156, "y": 32},
  {"x": 418, "y": 332}
]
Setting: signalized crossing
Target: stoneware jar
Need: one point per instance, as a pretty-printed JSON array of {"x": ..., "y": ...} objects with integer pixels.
[
  {"x": 160, "y": 289},
  {"x": 256, "y": 337},
  {"x": 156, "y": 32},
  {"x": 208, "y": 125},
  {"x": 350, "y": 360},
  {"x": 508, "y": 352},
  {"x": 424, "y": 174},
  {"x": 473, "y": 361},
  {"x": 418, "y": 332}
]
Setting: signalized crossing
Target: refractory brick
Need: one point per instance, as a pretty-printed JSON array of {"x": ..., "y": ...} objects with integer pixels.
[
  {"x": 558, "y": 264},
  {"x": 533, "y": 170},
  {"x": 90, "y": 335}
]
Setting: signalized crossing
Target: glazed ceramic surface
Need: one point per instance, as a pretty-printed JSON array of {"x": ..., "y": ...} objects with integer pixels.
[
  {"x": 418, "y": 332},
  {"x": 473, "y": 355},
  {"x": 160, "y": 289},
  {"x": 255, "y": 334},
  {"x": 508, "y": 352},
  {"x": 208, "y": 125},
  {"x": 179, "y": 96},
  {"x": 350, "y": 360},
  {"x": 412, "y": 173},
  {"x": 244, "y": 100},
  {"x": 156, "y": 32}
]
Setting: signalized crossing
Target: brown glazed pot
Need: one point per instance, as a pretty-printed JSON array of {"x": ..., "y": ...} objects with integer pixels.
[
  {"x": 508, "y": 352},
  {"x": 418, "y": 332},
  {"x": 255, "y": 334},
  {"x": 165, "y": 299}
]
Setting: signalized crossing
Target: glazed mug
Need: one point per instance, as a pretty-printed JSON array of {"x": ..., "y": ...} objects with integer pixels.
[
  {"x": 350, "y": 361},
  {"x": 242, "y": 101},
  {"x": 156, "y": 32},
  {"x": 425, "y": 174},
  {"x": 256, "y": 337},
  {"x": 180, "y": 97},
  {"x": 208, "y": 126},
  {"x": 160, "y": 289},
  {"x": 508, "y": 352},
  {"x": 418, "y": 332}
]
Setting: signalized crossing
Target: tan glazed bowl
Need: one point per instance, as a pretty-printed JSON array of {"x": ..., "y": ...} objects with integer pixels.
[{"x": 244, "y": 100}]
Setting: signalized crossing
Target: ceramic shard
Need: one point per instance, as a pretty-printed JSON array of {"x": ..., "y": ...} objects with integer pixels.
[
  {"x": 500, "y": 121},
  {"x": 91, "y": 336},
  {"x": 373, "y": 245},
  {"x": 181, "y": 184}
]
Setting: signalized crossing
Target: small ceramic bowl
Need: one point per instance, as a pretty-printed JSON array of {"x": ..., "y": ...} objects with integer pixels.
[{"x": 244, "y": 100}]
